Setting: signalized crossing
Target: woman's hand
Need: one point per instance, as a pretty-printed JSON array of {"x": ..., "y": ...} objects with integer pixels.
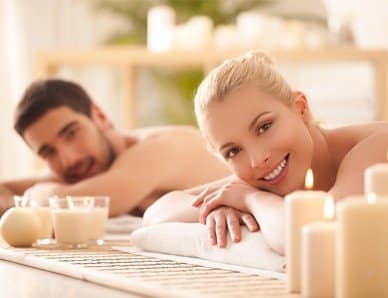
[
  {"x": 232, "y": 194},
  {"x": 224, "y": 219}
]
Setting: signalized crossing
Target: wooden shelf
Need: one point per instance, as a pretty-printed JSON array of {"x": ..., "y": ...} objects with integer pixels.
[{"x": 128, "y": 59}]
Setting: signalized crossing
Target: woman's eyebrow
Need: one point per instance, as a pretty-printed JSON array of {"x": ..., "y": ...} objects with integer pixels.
[
  {"x": 253, "y": 122},
  {"x": 225, "y": 145}
]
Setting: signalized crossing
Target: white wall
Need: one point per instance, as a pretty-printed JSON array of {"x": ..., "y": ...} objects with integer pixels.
[{"x": 29, "y": 25}]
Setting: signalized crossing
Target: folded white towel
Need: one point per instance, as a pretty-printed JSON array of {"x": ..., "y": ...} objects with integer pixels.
[
  {"x": 123, "y": 224},
  {"x": 191, "y": 240}
]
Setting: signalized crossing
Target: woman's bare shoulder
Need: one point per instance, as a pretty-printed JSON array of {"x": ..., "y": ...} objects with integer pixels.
[{"x": 343, "y": 139}]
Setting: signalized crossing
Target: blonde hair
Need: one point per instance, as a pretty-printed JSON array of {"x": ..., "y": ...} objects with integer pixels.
[{"x": 255, "y": 67}]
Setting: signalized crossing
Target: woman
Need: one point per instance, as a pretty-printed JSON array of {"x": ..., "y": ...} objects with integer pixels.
[{"x": 264, "y": 131}]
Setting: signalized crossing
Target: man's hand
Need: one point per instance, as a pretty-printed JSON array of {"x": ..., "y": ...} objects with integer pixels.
[
  {"x": 6, "y": 199},
  {"x": 224, "y": 219},
  {"x": 43, "y": 190},
  {"x": 232, "y": 194}
]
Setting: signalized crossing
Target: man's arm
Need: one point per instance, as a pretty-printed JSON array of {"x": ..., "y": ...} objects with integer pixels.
[
  {"x": 146, "y": 167},
  {"x": 9, "y": 189}
]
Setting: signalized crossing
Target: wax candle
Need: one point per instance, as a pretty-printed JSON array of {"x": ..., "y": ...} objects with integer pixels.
[
  {"x": 226, "y": 38},
  {"x": 301, "y": 207},
  {"x": 362, "y": 247},
  {"x": 160, "y": 28},
  {"x": 376, "y": 179},
  {"x": 318, "y": 256}
]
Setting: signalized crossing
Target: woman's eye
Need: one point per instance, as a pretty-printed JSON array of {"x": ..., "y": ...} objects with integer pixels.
[
  {"x": 264, "y": 127},
  {"x": 232, "y": 152}
]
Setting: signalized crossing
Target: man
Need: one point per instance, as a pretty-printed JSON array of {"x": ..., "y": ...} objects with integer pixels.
[{"x": 86, "y": 155}]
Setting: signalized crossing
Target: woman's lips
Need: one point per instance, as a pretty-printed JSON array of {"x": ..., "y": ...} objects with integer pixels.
[{"x": 281, "y": 175}]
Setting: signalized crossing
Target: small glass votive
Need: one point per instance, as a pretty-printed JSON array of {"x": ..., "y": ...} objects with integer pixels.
[
  {"x": 72, "y": 220},
  {"x": 41, "y": 208},
  {"x": 99, "y": 217}
]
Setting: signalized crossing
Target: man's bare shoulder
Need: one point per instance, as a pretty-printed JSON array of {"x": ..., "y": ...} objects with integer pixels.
[
  {"x": 146, "y": 133},
  {"x": 145, "y": 142}
]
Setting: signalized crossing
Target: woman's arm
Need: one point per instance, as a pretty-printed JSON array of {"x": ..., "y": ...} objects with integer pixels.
[
  {"x": 267, "y": 208},
  {"x": 177, "y": 205}
]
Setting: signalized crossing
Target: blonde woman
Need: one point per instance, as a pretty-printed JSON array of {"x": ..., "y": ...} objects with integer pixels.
[{"x": 264, "y": 131}]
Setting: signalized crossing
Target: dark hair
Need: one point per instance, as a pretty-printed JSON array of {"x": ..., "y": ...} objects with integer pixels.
[{"x": 44, "y": 95}]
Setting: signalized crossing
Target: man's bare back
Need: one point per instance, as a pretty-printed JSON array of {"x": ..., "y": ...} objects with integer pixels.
[{"x": 86, "y": 155}]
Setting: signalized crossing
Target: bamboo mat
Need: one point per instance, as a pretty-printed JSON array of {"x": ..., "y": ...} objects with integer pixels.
[{"x": 145, "y": 275}]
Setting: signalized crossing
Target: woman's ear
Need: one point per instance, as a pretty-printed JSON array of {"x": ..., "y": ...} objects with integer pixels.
[
  {"x": 301, "y": 106},
  {"x": 99, "y": 117}
]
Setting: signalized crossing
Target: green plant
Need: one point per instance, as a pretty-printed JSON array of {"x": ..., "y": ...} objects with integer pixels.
[{"x": 178, "y": 111}]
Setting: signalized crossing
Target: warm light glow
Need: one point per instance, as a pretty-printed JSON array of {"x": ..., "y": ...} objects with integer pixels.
[
  {"x": 309, "y": 181},
  {"x": 386, "y": 155},
  {"x": 329, "y": 209},
  {"x": 371, "y": 197}
]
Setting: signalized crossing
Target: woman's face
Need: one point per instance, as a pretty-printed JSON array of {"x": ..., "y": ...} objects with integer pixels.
[{"x": 264, "y": 141}]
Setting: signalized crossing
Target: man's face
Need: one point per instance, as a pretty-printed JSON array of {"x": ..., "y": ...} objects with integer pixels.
[
  {"x": 73, "y": 145},
  {"x": 264, "y": 141}
]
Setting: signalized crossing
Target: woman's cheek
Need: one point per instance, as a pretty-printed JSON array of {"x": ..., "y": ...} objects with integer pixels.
[{"x": 242, "y": 171}]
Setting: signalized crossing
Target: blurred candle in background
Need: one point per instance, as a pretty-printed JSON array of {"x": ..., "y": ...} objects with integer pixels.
[
  {"x": 160, "y": 28},
  {"x": 301, "y": 207}
]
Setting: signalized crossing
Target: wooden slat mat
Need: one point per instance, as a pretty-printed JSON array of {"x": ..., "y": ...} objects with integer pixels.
[{"x": 146, "y": 275}]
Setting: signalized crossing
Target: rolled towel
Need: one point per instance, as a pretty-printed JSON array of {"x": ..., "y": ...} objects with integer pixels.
[{"x": 192, "y": 240}]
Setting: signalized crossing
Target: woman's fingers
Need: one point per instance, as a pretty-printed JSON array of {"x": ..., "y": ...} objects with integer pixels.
[
  {"x": 234, "y": 225},
  {"x": 250, "y": 221},
  {"x": 211, "y": 228},
  {"x": 199, "y": 198},
  {"x": 221, "y": 230},
  {"x": 209, "y": 206}
]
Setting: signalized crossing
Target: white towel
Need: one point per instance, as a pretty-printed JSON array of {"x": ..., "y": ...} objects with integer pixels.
[
  {"x": 124, "y": 224},
  {"x": 191, "y": 240}
]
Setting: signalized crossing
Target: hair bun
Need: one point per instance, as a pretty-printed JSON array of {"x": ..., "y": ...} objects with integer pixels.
[{"x": 260, "y": 57}]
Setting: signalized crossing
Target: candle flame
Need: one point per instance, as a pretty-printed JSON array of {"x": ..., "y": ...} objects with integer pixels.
[
  {"x": 371, "y": 197},
  {"x": 309, "y": 180},
  {"x": 329, "y": 209}
]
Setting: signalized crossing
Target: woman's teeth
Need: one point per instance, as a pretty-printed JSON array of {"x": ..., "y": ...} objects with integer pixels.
[{"x": 275, "y": 173}]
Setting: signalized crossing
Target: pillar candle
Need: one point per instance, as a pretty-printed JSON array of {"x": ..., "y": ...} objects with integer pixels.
[
  {"x": 160, "y": 28},
  {"x": 362, "y": 248},
  {"x": 376, "y": 178},
  {"x": 318, "y": 256},
  {"x": 301, "y": 207}
]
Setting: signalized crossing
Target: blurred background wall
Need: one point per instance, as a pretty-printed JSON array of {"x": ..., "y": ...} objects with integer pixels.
[{"x": 339, "y": 93}]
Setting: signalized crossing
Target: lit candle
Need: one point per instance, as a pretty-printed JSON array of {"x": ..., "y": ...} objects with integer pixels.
[
  {"x": 160, "y": 28},
  {"x": 362, "y": 247},
  {"x": 376, "y": 179},
  {"x": 318, "y": 256},
  {"x": 301, "y": 207}
]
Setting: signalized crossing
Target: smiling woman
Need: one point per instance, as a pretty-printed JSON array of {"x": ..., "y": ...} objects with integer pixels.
[{"x": 264, "y": 131}]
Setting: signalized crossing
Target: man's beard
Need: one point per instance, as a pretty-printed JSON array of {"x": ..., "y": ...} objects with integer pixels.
[
  {"x": 111, "y": 155},
  {"x": 111, "y": 152}
]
